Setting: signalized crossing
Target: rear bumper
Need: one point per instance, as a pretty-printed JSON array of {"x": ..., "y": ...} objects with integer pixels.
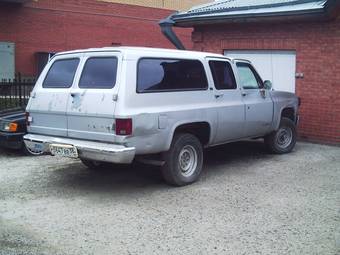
[
  {"x": 11, "y": 140},
  {"x": 98, "y": 151}
]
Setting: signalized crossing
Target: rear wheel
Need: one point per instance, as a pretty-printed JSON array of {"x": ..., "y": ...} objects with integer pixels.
[
  {"x": 184, "y": 160},
  {"x": 284, "y": 139}
]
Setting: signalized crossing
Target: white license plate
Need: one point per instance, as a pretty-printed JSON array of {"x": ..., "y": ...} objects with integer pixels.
[{"x": 64, "y": 150}]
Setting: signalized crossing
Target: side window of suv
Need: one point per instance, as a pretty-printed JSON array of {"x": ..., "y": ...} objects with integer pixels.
[
  {"x": 159, "y": 75},
  {"x": 223, "y": 74},
  {"x": 248, "y": 77}
]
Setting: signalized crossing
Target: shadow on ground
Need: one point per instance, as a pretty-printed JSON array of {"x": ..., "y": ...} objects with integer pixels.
[
  {"x": 127, "y": 177},
  {"x": 65, "y": 177}
]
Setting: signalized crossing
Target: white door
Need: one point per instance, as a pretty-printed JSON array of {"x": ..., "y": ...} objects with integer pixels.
[
  {"x": 91, "y": 105},
  {"x": 50, "y": 96},
  {"x": 274, "y": 65}
]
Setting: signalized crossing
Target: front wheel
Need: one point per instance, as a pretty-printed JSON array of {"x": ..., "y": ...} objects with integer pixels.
[
  {"x": 184, "y": 160},
  {"x": 282, "y": 140}
]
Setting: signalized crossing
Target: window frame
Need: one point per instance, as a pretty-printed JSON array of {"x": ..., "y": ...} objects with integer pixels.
[
  {"x": 169, "y": 90},
  {"x": 213, "y": 74},
  {"x": 257, "y": 76},
  {"x": 74, "y": 75},
  {"x": 97, "y": 57}
]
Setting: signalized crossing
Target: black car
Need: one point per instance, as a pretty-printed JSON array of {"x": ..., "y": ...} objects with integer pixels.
[{"x": 12, "y": 130}]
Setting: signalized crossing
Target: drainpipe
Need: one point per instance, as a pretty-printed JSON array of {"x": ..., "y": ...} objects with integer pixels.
[
  {"x": 332, "y": 8},
  {"x": 167, "y": 30}
]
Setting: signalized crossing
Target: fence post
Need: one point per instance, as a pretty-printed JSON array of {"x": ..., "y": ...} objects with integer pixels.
[
  {"x": 20, "y": 94},
  {"x": 12, "y": 94}
]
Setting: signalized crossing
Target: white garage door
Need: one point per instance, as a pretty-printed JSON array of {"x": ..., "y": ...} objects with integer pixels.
[{"x": 276, "y": 66}]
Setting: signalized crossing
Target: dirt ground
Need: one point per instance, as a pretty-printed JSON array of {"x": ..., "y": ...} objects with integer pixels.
[{"x": 247, "y": 202}]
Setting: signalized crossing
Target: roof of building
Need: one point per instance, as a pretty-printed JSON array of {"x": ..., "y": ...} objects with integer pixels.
[
  {"x": 164, "y": 4},
  {"x": 235, "y": 10},
  {"x": 264, "y": 5}
]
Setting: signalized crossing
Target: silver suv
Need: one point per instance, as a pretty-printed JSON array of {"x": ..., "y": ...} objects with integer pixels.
[{"x": 155, "y": 105}]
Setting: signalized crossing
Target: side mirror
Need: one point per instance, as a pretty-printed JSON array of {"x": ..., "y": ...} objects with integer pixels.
[{"x": 267, "y": 85}]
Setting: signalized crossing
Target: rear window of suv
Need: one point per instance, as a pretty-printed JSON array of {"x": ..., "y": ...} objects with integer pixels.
[
  {"x": 158, "y": 75},
  {"x": 61, "y": 73},
  {"x": 99, "y": 72}
]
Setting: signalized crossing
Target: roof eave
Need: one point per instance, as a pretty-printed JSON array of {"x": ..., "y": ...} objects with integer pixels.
[{"x": 305, "y": 15}]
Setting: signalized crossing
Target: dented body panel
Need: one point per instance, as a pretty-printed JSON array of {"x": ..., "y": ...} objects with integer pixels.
[{"x": 76, "y": 114}]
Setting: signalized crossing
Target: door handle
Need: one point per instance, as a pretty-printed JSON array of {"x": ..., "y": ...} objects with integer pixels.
[
  {"x": 73, "y": 94},
  {"x": 218, "y": 95},
  {"x": 243, "y": 93}
]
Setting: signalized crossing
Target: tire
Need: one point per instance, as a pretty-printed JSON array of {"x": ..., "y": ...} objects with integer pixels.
[
  {"x": 28, "y": 152},
  {"x": 184, "y": 160},
  {"x": 282, "y": 140},
  {"x": 91, "y": 164}
]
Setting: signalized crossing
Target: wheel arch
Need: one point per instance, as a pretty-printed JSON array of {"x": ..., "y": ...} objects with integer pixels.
[
  {"x": 288, "y": 111},
  {"x": 200, "y": 129}
]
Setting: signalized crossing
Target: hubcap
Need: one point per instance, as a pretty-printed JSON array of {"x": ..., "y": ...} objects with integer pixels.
[
  {"x": 284, "y": 137},
  {"x": 187, "y": 160}
]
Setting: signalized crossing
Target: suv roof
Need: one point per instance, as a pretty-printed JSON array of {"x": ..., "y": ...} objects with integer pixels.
[{"x": 124, "y": 49}]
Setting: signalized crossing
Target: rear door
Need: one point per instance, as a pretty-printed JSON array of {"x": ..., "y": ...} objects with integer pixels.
[
  {"x": 48, "y": 103},
  {"x": 92, "y": 100},
  {"x": 228, "y": 99},
  {"x": 258, "y": 103}
]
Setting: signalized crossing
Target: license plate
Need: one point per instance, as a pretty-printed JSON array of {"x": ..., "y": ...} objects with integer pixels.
[
  {"x": 64, "y": 150},
  {"x": 38, "y": 147}
]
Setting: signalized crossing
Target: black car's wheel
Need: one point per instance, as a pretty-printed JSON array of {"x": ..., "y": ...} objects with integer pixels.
[
  {"x": 91, "y": 164},
  {"x": 184, "y": 160},
  {"x": 282, "y": 140},
  {"x": 29, "y": 152}
]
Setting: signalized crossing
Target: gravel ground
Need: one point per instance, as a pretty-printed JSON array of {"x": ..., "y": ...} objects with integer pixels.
[{"x": 247, "y": 202}]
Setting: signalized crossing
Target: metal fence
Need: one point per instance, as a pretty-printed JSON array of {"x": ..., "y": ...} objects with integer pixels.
[{"x": 14, "y": 94}]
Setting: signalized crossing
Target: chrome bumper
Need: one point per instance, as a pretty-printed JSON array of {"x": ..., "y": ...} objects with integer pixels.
[{"x": 98, "y": 151}]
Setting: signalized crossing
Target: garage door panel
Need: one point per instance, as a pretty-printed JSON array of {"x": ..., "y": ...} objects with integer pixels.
[{"x": 283, "y": 66}]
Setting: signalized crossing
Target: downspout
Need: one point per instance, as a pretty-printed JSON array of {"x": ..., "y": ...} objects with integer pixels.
[
  {"x": 167, "y": 30},
  {"x": 332, "y": 8}
]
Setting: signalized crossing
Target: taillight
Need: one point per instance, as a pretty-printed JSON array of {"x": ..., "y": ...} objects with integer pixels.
[
  {"x": 123, "y": 126},
  {"x": 28, "y": 118}
]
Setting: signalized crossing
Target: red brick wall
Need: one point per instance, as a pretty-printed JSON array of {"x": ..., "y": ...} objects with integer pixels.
[
  {"x": 317, "y": 47},
  {"x": 57, "y": 25}
]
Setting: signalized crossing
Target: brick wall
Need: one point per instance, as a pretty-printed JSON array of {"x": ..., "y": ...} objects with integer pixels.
[
  {"x": 57, "y": 25},
  {"x": 317, "y": 47}
]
